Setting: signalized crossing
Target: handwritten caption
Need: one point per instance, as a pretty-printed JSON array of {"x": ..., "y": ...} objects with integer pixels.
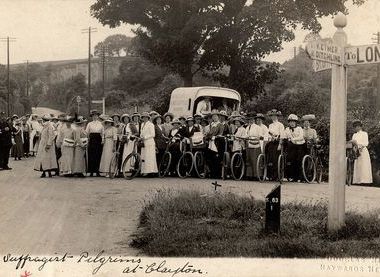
[{"x": 130, "y": 265}]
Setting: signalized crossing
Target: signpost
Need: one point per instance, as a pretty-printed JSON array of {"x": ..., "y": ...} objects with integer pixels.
[
  {"x": 273, "y": 210},
  {"x": 332, "y": 52},
  {"x": 365, "y": 54},
  {"x": 103, "y": 102}
]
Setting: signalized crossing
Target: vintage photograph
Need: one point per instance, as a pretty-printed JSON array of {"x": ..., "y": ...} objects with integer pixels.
[{"x": 155, "y": 137}]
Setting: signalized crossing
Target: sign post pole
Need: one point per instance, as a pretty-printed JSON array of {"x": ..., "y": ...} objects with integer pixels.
[{"x": 337, "y": 160}]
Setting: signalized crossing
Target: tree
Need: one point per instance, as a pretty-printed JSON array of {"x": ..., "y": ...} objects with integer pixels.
[
  {"x": 170, "y": 33},
  {"x": 114, "y": 45}
]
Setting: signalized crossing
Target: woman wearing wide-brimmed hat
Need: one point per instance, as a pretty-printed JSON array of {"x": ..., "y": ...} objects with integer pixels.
[
  {"x": 167, "y": 125},
  {"x": 309, "y": 133},
  {"x": 95, "y": 131},
  {"x": 46, "y": 160},
  {"x": 148, "y": 151},
  {"x": 129, "y": 134},
  {"x": 240, "y": 134},
  {"x": 362, "y": 165},
  {"x": 212, "y": 153},
  {"x": 136, "y": 121},
  {"x": 80, "y": 149},
  {"x": 18, "y": 136},
  {"x": 295, "y": 148},
  {"x": 276, "y": 130},
  {"x": 109, "y": 145},
  {"x": 66, "y": 144},
  {"x": 159, "y": 138}
]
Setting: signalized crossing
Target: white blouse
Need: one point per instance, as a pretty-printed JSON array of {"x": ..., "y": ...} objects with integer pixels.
[
  {"x": 295, "y": 135},
  {"x": 95, "y": 127},
  {"x": 276, "y": 129}
]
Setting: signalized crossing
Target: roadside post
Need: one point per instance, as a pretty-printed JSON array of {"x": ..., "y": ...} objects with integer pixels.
[{"x": 273, "y": 210}]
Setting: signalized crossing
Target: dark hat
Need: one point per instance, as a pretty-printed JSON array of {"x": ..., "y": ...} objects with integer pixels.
[
  {"x": 251, "y": 115},
  {"x": 274, "y": 112},
  {"x": 357, "y": 122},
  {"x": 181, "y": 117},
  {"x": 135, "y": 114},
  {"x": 145, "y": 114},
  {"x": 190, "y": 118},
  {"x": 93, "y": 112}
]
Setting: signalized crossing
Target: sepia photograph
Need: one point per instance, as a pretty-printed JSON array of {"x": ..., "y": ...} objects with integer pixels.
[{"x": 189, "y": 138}]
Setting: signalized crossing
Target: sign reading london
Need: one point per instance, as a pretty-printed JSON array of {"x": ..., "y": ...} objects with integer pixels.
[
  {"x": 325, "y": 52},
  {"x": 365, "y": 54}
]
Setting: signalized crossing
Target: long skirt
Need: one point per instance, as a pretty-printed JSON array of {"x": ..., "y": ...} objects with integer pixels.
[
  {"x": 272, "y": 154},
  {"x": 252, "y": 155},
  {"x": 107, "y": 155},
  {"x": 45, "y": 159},
  {"x": 79, "y": 160},
  {"x": 66, "y": 160},
  {"x": 26, "y": 143},
  {"x": 95, "y": 149},
  {"x": 18, "y": 148},
  {"x": 363, "y": 168},
  {"x": 148, "y": 157},
  {"x": 295, "y": 154},
  {"x": 175, "y": 151}
]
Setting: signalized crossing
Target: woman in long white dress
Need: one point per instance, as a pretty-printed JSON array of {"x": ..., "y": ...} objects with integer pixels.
[
  {"x": 109, "y": 146},
  {"x": 67, "y": 148},
  {"x": 362, "y": 165},
  {"x": 148, "y": 152}
]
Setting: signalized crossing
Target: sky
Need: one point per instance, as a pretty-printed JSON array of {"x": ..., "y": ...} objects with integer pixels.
[{"x": 47, "y": 30}]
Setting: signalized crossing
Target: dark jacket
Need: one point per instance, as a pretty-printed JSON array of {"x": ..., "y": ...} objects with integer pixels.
[
  {"x": 6, "y": 135},
  {"x": 216, "y": 130},
  {"x": 189, "y": 133},
  {"x": 159, "y": 138}
]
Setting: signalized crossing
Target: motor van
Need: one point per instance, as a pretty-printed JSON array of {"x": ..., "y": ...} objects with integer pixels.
[{"x": 184, "y": 101}]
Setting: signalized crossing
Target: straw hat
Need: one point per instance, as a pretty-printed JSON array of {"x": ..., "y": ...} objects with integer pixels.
[
  {"x": 176, "y": 121},
  {"x": 215, "y": 112},
  {"x": 292, "y": 117},
  {"x": 198, "y": 115},
  {"x": 260, "y": 116},
  {"x": 357, "y": 122},
  {"x": 155, "y": 117},
  {"x": 240, "y": 119},
  {"x": 145, "y": 114},
  {"x": 169, "y": 114},
  {"x": 308, "y": 117},
  {"x": 190, "y": 118},
  {"x": 46, "y": 117},
  {"x": 125, "y": 115}
]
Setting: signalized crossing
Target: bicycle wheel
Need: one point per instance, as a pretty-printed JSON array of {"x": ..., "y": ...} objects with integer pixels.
[
  {"x": 261, "y": 167},
  {"x": 308, "y": 169},
  {"x": 113, "y": 169},
  {"x": 199, "y": 164},
  {"x": 319, "y": 170},
  {"x": 350, "y": 172},
  {"x": 237, "y": 166},
  {"x": 281, "y": 167},
  {"x": 225, "y": 165},
  {"x": 185, "y": 165},
  {"x": 165, "y": 164},
  {"x": 132, "y": 166}
]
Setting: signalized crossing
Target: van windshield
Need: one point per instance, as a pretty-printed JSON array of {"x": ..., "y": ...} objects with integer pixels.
[{"x": 207, "y": 104}]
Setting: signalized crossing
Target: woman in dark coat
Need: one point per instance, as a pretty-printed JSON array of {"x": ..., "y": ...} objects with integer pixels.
[
  {"x": 95, "y": 131},
  {"x": 159, "y": 138},
  {"x": 212, "y": 154}
]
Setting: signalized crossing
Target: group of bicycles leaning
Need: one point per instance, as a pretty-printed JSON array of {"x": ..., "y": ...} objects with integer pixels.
[{"x": 217, "y": 145}]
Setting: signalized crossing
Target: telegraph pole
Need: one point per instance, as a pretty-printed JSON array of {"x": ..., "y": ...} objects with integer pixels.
[
  {"x": 89, "y": 31},
  {"x": 376, "y": 40},
  {"x": 8, "y": 40},
  {"x": 104, "y": 49},
  {"x": 27, "y": 78}
]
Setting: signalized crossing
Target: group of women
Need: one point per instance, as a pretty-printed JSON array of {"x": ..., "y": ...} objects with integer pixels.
[{"x": 73, "y": 146}]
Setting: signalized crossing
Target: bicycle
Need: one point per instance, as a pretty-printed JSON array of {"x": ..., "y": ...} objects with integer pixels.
[
  {"x": 185, "y": 162},
  {"x": 312, "y": 168},
  {"x": 281, "y": 161},
  {"x": 166, "y": 160},
  {"x": 226, "y": 157},
  {"x": 132, "y": 163},
  {"x": 237, "y": 165},
  {"x": 352, "y": 153},
  {"x": 200, "y": 166},
  {"x": 114, "y": 170}
]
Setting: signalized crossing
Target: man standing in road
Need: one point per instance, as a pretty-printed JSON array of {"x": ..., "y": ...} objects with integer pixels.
[{"x": 5, "y": 142}]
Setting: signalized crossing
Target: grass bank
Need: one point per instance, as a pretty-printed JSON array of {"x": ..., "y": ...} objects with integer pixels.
[{"x": 188, "y": 223}]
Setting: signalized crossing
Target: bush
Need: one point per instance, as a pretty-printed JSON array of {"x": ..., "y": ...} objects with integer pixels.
[{"x": 188, "y": 223}]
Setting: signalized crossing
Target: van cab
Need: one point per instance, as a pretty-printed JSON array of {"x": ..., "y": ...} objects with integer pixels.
[{"x": 184, "y": 101}]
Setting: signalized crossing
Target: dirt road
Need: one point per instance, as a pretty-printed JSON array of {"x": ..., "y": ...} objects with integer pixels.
[{"x": 59, "y": 215}]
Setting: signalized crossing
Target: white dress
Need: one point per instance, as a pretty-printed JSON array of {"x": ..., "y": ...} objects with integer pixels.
[
  {"x": 128, "y": 147},
  {"x": 362, "y": 166},
  {"x": 148, "y": 152}
]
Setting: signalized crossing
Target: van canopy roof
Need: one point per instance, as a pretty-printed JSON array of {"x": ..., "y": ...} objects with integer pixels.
[{"x": 196, "y": 92}]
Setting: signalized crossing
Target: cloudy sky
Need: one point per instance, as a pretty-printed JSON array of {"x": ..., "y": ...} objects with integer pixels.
[{"x": 51, "y": 29}]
